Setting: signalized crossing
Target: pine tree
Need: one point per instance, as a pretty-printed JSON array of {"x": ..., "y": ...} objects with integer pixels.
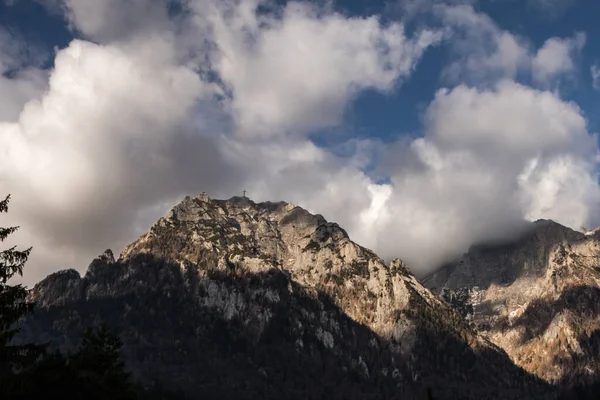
[
  {"x": 13, "y": 306},
  {"x": 99, "y": 367}
]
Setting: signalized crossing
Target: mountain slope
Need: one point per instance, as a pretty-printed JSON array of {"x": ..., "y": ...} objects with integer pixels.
[
  {"x": 538, "y": 298},
  {"x": 233, "y": 299}
]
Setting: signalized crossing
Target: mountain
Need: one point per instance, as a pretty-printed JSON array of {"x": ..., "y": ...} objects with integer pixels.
[
  {"x": 537, "y": 297},
  {"x": 236, "y": 299}
]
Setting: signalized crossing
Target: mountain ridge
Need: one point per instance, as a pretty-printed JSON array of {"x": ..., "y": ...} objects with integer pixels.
[
  {"x": 273, "y": 276},
  {"x": 535, "y": 298}
]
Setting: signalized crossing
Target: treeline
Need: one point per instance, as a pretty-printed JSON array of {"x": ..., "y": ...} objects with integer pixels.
[{"x": 94, "y": 370}]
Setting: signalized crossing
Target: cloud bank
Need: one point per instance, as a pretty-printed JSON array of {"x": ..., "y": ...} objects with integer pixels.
[{"x": 153, "y": 102}]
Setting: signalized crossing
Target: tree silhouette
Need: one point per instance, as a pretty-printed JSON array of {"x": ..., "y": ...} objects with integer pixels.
[
  {"x": 93, "y": 371},
  {"x": 100, "y": 371},
  {"x": 13, "y": 306}
]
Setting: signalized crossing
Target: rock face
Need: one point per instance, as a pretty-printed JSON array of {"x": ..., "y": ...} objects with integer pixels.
[
  {"x": 233, "y": 299},
  {"x": 538, "y": 298}
]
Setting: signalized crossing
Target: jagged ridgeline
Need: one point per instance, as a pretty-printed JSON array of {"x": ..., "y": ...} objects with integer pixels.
[
  {"x": 236, "y": 299},
  {"x": 537, "y": 297}
]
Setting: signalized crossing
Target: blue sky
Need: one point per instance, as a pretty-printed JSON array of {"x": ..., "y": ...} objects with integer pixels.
[{"x": 405, "y": 121}]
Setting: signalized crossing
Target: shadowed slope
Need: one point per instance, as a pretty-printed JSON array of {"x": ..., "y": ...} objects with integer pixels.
[{"x": 232, "y": 299}]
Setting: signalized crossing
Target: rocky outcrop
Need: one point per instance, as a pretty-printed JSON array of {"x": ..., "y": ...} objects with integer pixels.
[
  {"x": 264, "y": 300},
  {"x": 538, "y": 298}
]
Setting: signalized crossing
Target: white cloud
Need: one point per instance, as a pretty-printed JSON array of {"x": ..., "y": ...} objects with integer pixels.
[
  {"x": 112, "y": 20},
  {"x": 539, "y": 121},
  {"x": 132, "y": 123},
  {"x": 490, "y": 159},
  {"x": 306, "y": 63},
  {"x": 557, "y": 58},
  {"x": 562, "y": 190},
  {"x": 482, "y": 51},
  {"x": 27, "y": 84},
  {"x": 475, "y": 176},
  {"x": 112, "y": 136}
]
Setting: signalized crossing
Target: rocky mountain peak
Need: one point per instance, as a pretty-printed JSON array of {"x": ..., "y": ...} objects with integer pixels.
[
  {"x": 291, "y": 294},
  {"x": 551, "y": 231},
  {"x": 106, "y": 258},
  {"x": 527, "y": 254},
  {"x": 256, "y": 237},
  {"x": 534, "y": 297},
  {"x": 56, "y": 288}
]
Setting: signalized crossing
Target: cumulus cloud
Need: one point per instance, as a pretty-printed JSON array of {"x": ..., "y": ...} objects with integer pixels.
[
  {"x": 319, "y": 61},
  {"x": 152, "y": 103},
  {"x": 483, "y": 53},
  {"x": 104, "y": 143},
  {"x": 557, "y": 57},
  {"x": 477, "y": 175},
  {"x": 114, "y": 20},
  {"x": 132, "y": 122}
]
